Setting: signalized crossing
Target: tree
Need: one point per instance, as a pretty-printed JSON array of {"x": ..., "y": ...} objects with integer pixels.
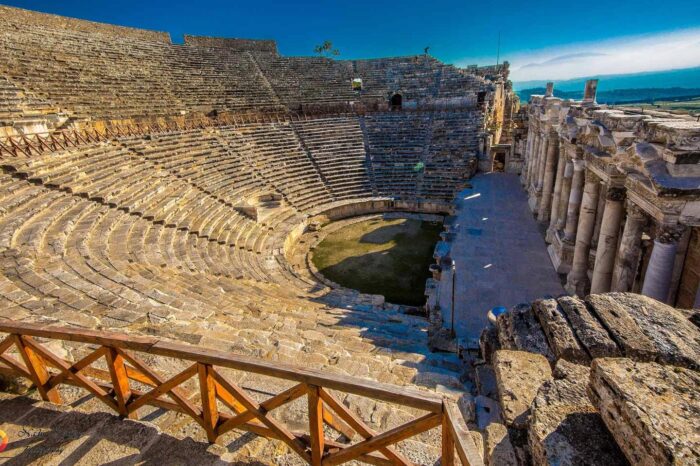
[{"x": 326, "y": 50}]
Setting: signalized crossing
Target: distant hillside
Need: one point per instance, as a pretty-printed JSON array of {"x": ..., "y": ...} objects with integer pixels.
[
  {"x": 618, "y": 96},
  {"x": 688, "y": 78}
]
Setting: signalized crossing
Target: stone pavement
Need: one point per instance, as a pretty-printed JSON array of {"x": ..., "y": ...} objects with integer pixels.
[{"x": 500, "y": 254}]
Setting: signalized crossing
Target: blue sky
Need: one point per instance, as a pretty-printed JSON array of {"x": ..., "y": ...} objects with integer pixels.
[{"x": 552, "y": 38}]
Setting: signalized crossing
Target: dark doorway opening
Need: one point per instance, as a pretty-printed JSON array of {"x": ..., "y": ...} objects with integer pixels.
[
  {"x": 396, "y": 102},
  {"x": 499, "y": 162}
]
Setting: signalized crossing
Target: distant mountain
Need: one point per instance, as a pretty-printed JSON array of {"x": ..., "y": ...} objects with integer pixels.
[
  {"x": 688, "y": 78},
  {"x": 619, "y": 96}
]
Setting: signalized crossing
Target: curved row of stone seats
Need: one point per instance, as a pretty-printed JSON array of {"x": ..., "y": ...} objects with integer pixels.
[
  {"x": 196, "y": 253},
  {"x": 90, "y": 74},
  {"x": 114, "y": 175},
  {"x": 88, "y": 264},
  {"x": 100, "y": 245},
  {"x": 421, "y": 77},
  {"x": 17, "y": 105},
  {"x": 307, "y": 80},
  {"x": 450, "y": 150},
  {"x": 396, "y": 144},
  {"x": 453, "y": 82},
  {"x": 337, "y": 146},
  {"x": 275, "y": 152}
]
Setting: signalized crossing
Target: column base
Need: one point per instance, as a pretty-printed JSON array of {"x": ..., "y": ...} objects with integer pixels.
[
  {"x": 533, "y": 199},
  {"x": 561, "y": 253},
  {"x": 549, "y": 235},
  {"x": 578, "y": 286}
]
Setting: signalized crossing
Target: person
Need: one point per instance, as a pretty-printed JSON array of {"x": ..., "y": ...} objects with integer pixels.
[{"x": 425, "y": 50}]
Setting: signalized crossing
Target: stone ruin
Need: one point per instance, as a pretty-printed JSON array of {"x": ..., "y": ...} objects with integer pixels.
[
  {"x": 166, "y": 190},
  {"x": 609, "y": 379}
]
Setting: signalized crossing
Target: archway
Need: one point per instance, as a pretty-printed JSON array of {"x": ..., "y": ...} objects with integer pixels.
[{"x": 396, "y": 101}]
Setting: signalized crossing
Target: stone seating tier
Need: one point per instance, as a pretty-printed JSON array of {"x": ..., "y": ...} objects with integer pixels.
[{"x": 94, "y": 73}]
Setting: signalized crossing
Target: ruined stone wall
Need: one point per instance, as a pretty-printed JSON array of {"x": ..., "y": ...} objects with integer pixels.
[
  {"x": 241, "y": 45},
  {"x": 26, "y": 17}
]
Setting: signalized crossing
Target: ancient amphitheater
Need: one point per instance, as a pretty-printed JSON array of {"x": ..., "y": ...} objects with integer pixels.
[{"x": 158, "y": 201}]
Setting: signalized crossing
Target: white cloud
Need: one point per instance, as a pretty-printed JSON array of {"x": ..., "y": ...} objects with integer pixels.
[{"x": 634, "y": 54}]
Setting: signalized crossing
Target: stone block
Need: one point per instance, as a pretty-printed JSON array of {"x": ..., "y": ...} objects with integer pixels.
[
  {"x": 486, "y": 380},
  {"x": 591, "y": 333},
  {"x": 498, "y": 450},
  {"x": 488, "y": 343},
  {"x": 676, "y": 339},
  {"x": 519, "y": 376},
  {"x": 622, "y": 326},
  {"x": 651, "y": 410},
  {"x": 564, "y": 427},
  {"x": 518, "y": 329},
  {"x": 559, "y": 333}
]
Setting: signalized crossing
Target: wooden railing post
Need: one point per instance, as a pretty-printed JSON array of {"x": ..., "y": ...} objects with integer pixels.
[
  {"x": 448, "y": 443},
  {"x": 210, "y": 413},
  {"x": 316, "y": 425},
  {"x": 120, "y": 382},
  {"x": 37, "y": 369}
]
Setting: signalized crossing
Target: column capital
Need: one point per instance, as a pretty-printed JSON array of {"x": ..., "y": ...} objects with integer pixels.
[
  {"x": 579, "y": 164},
  {"x": 616, "y": 194},
  {"x": 592, "y": 177},
  {"x": 634, "y": 211},
  {"x": 667, "y": 234}
]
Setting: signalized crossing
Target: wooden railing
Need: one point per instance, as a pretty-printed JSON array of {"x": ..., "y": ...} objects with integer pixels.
[
  {"x": 39, "y": 143},
  {"x": 128, "y": 383}
]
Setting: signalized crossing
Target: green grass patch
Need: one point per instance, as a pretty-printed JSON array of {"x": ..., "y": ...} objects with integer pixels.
[{"x": 387, "y": 257}]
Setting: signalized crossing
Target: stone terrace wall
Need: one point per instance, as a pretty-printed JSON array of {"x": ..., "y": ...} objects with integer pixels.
[
  {"x": 241, "y": 45},
  {"x": 27, "y": 17}
]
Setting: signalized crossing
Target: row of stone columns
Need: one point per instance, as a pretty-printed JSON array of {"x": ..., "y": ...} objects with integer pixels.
[{"x": 588, "y": 213}]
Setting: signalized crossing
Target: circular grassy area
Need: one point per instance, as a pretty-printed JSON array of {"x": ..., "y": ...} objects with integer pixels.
[{"x": 378, "y": 256}]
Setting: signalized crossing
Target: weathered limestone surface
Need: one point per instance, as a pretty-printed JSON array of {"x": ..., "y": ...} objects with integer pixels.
[
  {"x": 653, "y": 411},
  {"x": 565, "y": 428},
  {"x": 519, "y": 375},
  {"x": 676, "y": 339},
  {"x": 558, "y": 331},
  {"x": 518, "y": 329},
  {"x": 648, "y": 330},
  {"x": 622, "y": 326},
  {"x": 589, "y": 331},
  {"x": 498, "y": 448}
]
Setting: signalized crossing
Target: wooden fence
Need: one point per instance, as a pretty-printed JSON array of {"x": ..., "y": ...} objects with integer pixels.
[
  {"x": 129, "y": 383},
  {"x": 39, "y": 143}
]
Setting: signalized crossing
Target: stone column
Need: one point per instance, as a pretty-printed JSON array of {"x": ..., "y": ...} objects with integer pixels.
[
  {"x": 556, "y": 195},
  {"x": 565, "y": 193},
  {"x": 607, "y": 240},
  {"x": 577, "y": 281},
  {"x": 544, "y": 149},
  {"x": 657, "y": 280},
  {"x": 550, "y": 167},
  {"x": 589, "y": 92},
  {"x": 574, "y": 205},
  {"x": 533, "y": 159},
  {"x": 528, "y": 156},
  {"x": 549, "y": 91},
  {"x": 599, "y": 214},
  {"x": 625, "y": 270}
]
